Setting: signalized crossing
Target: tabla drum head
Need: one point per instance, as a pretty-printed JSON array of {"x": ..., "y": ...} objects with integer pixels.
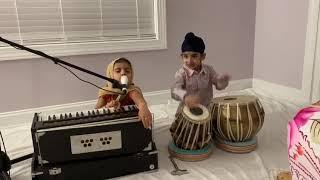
[
  {"x": 233, "y": 100},
  {"x": 197, "y": 114}
]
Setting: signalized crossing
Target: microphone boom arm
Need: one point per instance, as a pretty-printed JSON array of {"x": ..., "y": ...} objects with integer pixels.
[{"x": 56, "y": 60}]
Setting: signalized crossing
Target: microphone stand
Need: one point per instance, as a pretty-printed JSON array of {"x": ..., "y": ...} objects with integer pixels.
[
  {"x": 56, "y": 60},
  {"x": 116, "y": 84}
]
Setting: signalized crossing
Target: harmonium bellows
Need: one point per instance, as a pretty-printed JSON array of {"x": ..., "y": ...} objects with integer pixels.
[{"x": 89, "y": 134}]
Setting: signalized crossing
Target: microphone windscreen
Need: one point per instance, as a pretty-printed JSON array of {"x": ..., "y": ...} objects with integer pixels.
[{"x": 124, "y": 80}]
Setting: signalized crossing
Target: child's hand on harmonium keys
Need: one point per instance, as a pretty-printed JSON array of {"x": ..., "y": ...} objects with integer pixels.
[
  {"x": 145, "y": 116},
  {"x": 192, "y": 100},
  {"x": 114, "y": 103}
]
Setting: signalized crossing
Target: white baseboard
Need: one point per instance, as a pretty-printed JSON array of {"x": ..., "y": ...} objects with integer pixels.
[
  {"x": 154, "y": 97},
  {"x": 279, "y": 91},
  {"x": 161, "y": 97},
  {"x": 237, "y": 85}
]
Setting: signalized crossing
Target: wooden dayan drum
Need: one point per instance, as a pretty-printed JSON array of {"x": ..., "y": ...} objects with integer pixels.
[
  {"x": 236, "y": 120},
  {"x": 191, "y": 134}
]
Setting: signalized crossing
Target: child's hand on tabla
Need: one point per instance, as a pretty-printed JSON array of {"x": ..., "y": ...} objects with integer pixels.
[{"x": 192, "y": 100}]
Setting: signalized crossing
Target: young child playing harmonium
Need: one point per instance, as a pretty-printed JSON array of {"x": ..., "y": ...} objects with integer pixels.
[{"x": 108, "y": 96}]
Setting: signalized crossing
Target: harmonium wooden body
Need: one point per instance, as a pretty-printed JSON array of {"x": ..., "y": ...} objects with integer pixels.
[{"x": 94, "y": 144}]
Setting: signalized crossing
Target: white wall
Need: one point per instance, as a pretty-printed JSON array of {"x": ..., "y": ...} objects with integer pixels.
[{"x": 280, "y": 41}]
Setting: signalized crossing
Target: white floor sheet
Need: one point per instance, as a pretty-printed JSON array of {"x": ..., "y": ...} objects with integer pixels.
[{"x": 269, "y": 156}]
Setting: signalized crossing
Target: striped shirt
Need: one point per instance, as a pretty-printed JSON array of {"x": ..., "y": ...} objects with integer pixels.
[{"x": 191, "y": 82}]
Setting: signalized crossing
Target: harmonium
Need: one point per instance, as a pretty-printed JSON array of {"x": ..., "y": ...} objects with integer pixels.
[{"x": 93, "y": 144}]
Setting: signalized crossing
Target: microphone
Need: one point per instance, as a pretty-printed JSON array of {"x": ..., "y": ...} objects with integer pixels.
[
  {"x": 124, "y": 87},
  {"x": 124, "y": 84}
]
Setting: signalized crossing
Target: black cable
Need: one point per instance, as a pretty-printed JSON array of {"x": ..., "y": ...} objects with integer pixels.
[
  {"x": 88, "y": 81},
  {"x": 4, "y": 147},
  {"x": 22, "y": 158}
]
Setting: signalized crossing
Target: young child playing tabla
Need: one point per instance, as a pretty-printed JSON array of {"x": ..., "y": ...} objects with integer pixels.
[
  {"x": 194, "y": 80},
  {"x": 108, "y": 97}
]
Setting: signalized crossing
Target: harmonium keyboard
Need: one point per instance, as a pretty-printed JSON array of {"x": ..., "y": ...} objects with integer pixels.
[{"x": 99, "y": 133}]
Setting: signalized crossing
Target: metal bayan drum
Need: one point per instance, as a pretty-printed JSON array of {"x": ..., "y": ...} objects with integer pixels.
[
  {"x": 236, "y": 120},
  {"x": 191, "y": 134}
]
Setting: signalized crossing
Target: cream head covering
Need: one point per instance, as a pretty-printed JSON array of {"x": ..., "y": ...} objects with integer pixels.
[{"x": 109, "y": 86}]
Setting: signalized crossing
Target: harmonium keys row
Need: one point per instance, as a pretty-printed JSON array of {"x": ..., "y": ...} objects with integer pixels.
[{"x": 88, "y": 113}]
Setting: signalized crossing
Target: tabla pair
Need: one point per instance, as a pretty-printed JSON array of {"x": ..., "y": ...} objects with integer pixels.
[{"x": 232, "y": 122}]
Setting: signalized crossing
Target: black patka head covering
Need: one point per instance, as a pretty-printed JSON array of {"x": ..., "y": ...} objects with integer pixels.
[{"x": 192, "y": 43}]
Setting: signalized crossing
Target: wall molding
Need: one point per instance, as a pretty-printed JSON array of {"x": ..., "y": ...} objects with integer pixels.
[
  {"x": 154, "y": 97},
  {"x": 308, "y": 77},
  {"x": 315, "y": 89},
  {"x": 280, "y": 91},
  {"x": 236, "y": 85}
]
